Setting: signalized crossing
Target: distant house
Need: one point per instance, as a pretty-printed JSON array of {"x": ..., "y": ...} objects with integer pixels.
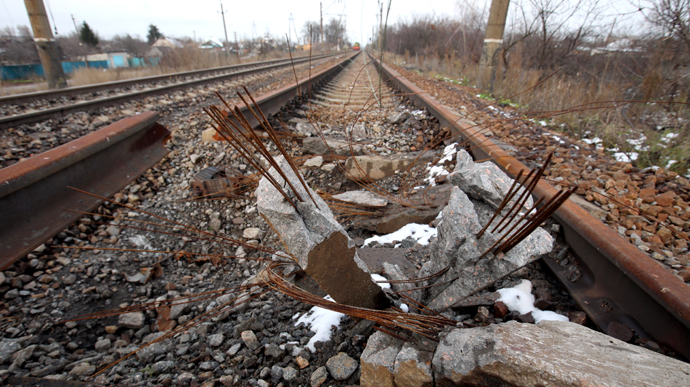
[
  {"x": 168, "y": 42},
  {"x": 211, "y": 45}
]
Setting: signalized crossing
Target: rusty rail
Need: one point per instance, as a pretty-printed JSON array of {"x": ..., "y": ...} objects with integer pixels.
[
  {"x": 618, "y": 283},
  {"x": 62, "y": 111},
  {"x": 272, "y": 102},
  {"x": 34, "y": 193}
]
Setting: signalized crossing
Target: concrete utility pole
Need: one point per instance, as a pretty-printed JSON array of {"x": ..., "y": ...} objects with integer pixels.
[
  {"x": 45, "y": 43},
  {"x": 492, "y": 42},
  {"x": 237, "y": 48},
  {"x": 227, "y": 48},
  {"x": 321, "y": 13}
]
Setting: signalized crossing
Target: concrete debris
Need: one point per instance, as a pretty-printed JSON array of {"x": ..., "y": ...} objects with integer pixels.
[
  {"x": 413, "y": 367},
  {"x": 363, "y": 197},
  {"x": 314, "y": 162},
  {"x": 369, "y": 167},
  {"x": 398, "y": 117},
  {"x": 552, "y": 353},
  {"x": 396, "y": 216},
  {"x": 377, "y": 362},
  {"x": 212, "y": 182},
  {"x": 458, "y": 248},
  {"x": 484, "y": 181},
  {"x": 321, "y": 246},
  {"x": 316, "y": 146}
]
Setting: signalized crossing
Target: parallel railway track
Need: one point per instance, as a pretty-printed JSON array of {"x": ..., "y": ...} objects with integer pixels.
[
  {"x": 619, "y": 283},
  {"x": 72, "y": 99}
]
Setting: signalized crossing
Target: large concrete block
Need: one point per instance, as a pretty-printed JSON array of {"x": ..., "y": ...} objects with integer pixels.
[
  {"x": 413, "y": 367},
  {"x": 380, "y": 167},
  {"x": 553, "y": 353},
  {"x": 318, "y": 242}
]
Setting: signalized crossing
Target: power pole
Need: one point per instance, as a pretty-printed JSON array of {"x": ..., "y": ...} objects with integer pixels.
[
  {"x": 237, "y": 48},
  {"x": 321, "y": 13},
  {"x": 492, "y": 42},
  {"x": 45, "y": 43},
  {"x": 224, "y": 29}
]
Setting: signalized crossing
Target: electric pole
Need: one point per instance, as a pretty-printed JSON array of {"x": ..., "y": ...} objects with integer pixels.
[
  {"x": 492, "y": 42},
  {"x": 321, "y": 13},
  {"x": 227, "y": 48},
  {"x": 45, "y": 43},
  {"x": 237, "y": 48}
]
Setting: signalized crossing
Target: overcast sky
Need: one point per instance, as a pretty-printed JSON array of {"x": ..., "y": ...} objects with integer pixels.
[{"x": 177, "y": 18}]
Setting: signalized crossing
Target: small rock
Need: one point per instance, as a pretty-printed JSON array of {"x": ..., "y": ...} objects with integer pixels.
[
  {"x": 314, "y": 162},
  {"x": 133, "y": 320},
  {"x": 215, "y": 224},
  {"x": 7, "y": 348},
  {"x": 318, "y": 377},
  {"x": 274, "y": 351},
  {"x": 162, "y": 366},
  {"x": 276, "y": 372},
  {"x": 83, "y": 369},
  {"x": 251, "y": 233},
  {"x": 620, "y": 331},
  {"x": 12, "y": 294},
  {"x": 21, "y": 356},
  {"x": 500, "y": 309},
  {"x": 112, "y": 230},
  {"x": 341, "y": 366},
  {"x": 194, "y": 158},
  {"x": 301, "y": 362},
  {"x": 216, "y": 340},
  {"x": 249, "y": 339},
  {"x": 103, "y": 345},
  {"x": 290, "y": 374}
]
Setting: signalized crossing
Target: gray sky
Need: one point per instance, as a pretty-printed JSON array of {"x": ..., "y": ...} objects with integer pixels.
[{"x": 177, "y": 18}]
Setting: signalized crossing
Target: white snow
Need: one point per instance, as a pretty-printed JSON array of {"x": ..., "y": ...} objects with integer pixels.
[
  {"x": 670, "y": 162},
  {"x": 320, "y": 322},
  {"x": 558, "y": 139},
  {"x": 435, "y": 172},
  {"x": 520, "y": 299},
  {"x": 595, "y": 140},
  {"x": 448, "y": 153},
  {"x": 404, "y": 307},
  {"x": 420, "y": 232},
  {"x": 383, "y": 285},
  {"x": 668, "y": 137},
  {"x": 625, "y": 157},
  {"x": 638, "y": 143}
]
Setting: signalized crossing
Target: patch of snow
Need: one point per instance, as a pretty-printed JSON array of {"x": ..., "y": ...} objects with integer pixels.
[
  {"x": 595, "y": 140},
  {"x": 638, "y": 143},
  {"x": 558, "y": 138},
  {"x": 420, "y": 232},
  {"x": 435, "y": 172},
  {"x": 383, "y": 285},
  {"x": 320, "y": 322},
  {"x": 543, "y": 123},
  {"x": 625, "y": 157},
  {"x": 404, "y": 307},
  {"x": 669, "y": 163},
  {"x": 448, "y": 153},
  {"x": 520, "y": 299},
  {"x": 668, "y": 137}
]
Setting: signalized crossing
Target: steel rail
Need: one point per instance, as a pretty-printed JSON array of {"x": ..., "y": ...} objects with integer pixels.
[
  {"x": 272, "y": 102},
  {"x": 34, "y": 193},
  {"x": 25, "y": 98},
  {"x": 619, "y": 283},
  {"x": 62, "y": 111}
]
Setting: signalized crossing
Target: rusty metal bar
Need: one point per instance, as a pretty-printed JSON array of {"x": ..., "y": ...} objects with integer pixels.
[
  {"x": 34, "y": 193},
  {"x": 618, "y": 282}
]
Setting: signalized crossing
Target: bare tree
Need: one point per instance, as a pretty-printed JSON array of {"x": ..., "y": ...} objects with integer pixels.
[{"x": 315, "y": 28}]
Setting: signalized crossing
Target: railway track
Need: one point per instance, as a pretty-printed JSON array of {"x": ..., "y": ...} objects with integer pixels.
[
  {"x": 39, "y": 106},
  {"x": 619, "y": 284}
]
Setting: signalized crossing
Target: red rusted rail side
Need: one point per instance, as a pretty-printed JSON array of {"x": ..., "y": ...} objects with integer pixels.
[
  {"x": 619, "y": 282},
  {"x": 272, "y": 102},
  {"x": 34, "y": 193}
]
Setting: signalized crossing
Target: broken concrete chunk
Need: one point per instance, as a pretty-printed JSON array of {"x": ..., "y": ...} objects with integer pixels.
[
  {"x": 321, "y": 246},
  {"x": 363, "y": 197},
  {"x": 381, "y": 167},
  {"x": 413, "y": 367},
  {"x": 483, "y": 181},
  {"x": 316, "y": 146},
  {"x": 458, "y": 248},
  {"x": 553, "y": 353},
  {"x": 377, "y": 362},
  {"x": 394, "y": 273}
]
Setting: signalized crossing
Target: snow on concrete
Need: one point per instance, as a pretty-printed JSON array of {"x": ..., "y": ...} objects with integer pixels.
[
  {"x": 383, "y": 285},
  {"x": 320, "y": 321},
  {"x": 520, "y": 299},
  {"x": 420, "y": 232}
]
